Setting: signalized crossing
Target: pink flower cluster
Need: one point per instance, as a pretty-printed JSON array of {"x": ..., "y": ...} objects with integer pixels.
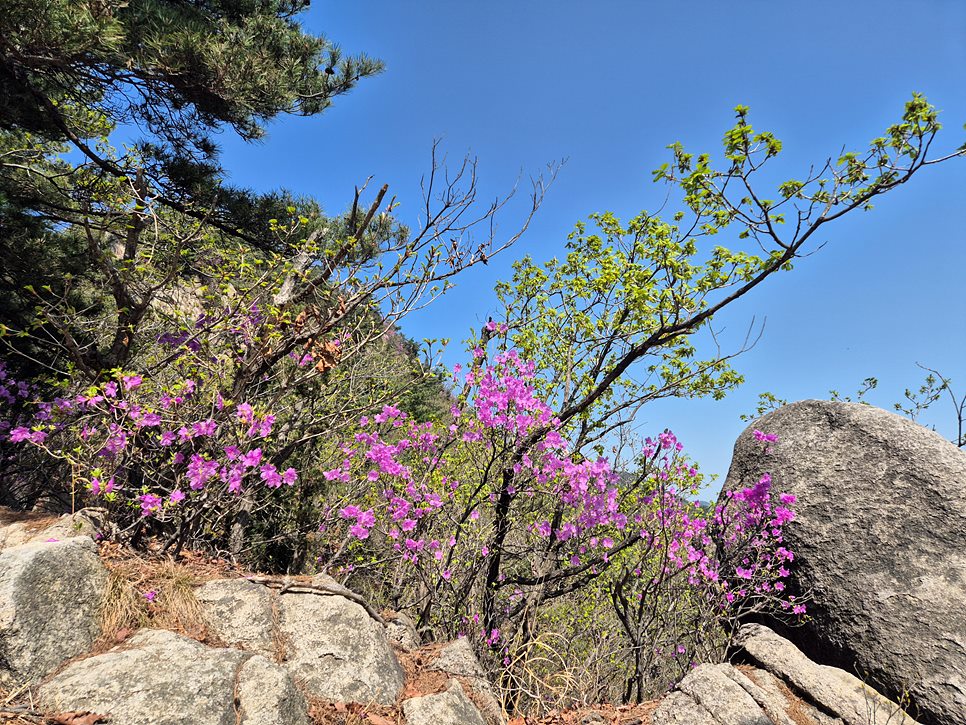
[
  {"x": 128, "y": 422},
  {"x": 404, "y": 460},
  {"x": 439, "y": 517}
]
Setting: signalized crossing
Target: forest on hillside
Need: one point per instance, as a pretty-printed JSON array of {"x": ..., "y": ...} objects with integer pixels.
[{"x": 225, "y": 370}]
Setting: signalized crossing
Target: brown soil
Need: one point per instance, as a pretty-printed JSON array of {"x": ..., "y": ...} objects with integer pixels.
[{"x": 610, "y": 714}]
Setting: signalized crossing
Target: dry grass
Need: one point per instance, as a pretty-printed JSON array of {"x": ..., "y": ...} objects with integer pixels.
[
  {"x": 325, "y": 712},
  {"x": 17, "y": 707},
  {"x": 154, "y": 591},
  {"x": 610, "y": 714}
]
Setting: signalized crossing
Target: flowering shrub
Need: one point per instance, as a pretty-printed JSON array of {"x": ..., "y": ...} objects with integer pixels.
[
  {"x": 149, "y": 449},
  {"x": 186, "y": 420},
  {"x": 697, "y": 571},
  {"x": 483, "y": 524},
  {"x": 487, "y": 524}
]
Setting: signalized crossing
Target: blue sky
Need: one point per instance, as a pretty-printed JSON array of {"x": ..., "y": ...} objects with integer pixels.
[{"x": 608, "y": 85}]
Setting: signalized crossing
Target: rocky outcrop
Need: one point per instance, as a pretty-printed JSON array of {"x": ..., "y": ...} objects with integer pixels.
[
  {"x": 161, "y": 678},
  {"x": 291, "y": 640},
  {"x": 777, "y": 686},
  {"x": 451, "y": 707},
  {"x": 337, "y": 650},
  {"x": 50, "y": 594},
  {"x": 239, "y": 613},
  {"x": 26, "y": 528},
  {"x": 325, "y": 639},
  {"x": 880, "y": 545}
]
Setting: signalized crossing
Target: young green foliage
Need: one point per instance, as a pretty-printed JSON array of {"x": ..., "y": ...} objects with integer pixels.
[{"x": 610, "y": 325}]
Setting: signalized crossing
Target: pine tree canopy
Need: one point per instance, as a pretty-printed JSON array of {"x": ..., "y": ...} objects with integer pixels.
[
  {"x": 178, "y": 71},
  {"x": 181, "y": 69}
]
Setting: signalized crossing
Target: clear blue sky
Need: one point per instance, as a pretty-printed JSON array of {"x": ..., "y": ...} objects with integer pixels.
[{"x": 608, "y": 85}]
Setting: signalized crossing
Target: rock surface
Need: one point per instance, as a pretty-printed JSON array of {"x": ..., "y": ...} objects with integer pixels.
[
  {"x": 717, "y": 689},
  {"x": 783, "y": 687},
  {"x": 831, "y": 690},
  {"x": 161, "y": 678},
  {"x": 401, "y": 630},
  {"x": 880, "y": 542},
  {"x": 240, "y": 613},
  {"x": 459, "y": 660},
  {"x": 451, "y": 707},
  {"x": 267, "y": 695},
  {"x": 337, "y": 651},
  {"x": 50, "y": 595},
  {"x": 17, "y": 528},
  {"x": 329, "y": 643},
  {"x": 680, "y": 709}
]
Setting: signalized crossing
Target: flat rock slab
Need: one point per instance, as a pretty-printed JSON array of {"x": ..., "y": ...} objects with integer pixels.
[
  {"x": 832, "y": 690},
  {"x": 18, "y": 528},
  {"x": 240, "y": 613},
  {"x": 50, "y": 595},
  {"x": 451, "y": 707},
  {"x": 879, "y": 543},
  {"x": 161, "y": 678},
  {"x": 337, "y": 651}
]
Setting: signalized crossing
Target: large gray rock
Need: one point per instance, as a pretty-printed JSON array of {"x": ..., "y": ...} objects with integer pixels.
[
  {"x": 17, "y": 528},
  {"x": 781, "y": 687},
  {"x": 240, "y": 613},
  {"x": 337, "y": 651},
  {"x": 714, "y": 690},
  {"x": 880, "y": 542},
  {"x": 451, "y": 707},
  {"x": 161, "y": 678},
  {"x": 832, "y": 690},
  {"x": 50, "y": 595},
  {"x": 459, "y": 660}
]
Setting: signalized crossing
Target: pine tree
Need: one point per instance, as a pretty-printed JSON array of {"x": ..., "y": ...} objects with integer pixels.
[{"x": 72, "y": 72}]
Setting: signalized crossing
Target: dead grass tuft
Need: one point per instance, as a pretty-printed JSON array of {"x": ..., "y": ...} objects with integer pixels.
[{"x": 154, "y": 591}]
